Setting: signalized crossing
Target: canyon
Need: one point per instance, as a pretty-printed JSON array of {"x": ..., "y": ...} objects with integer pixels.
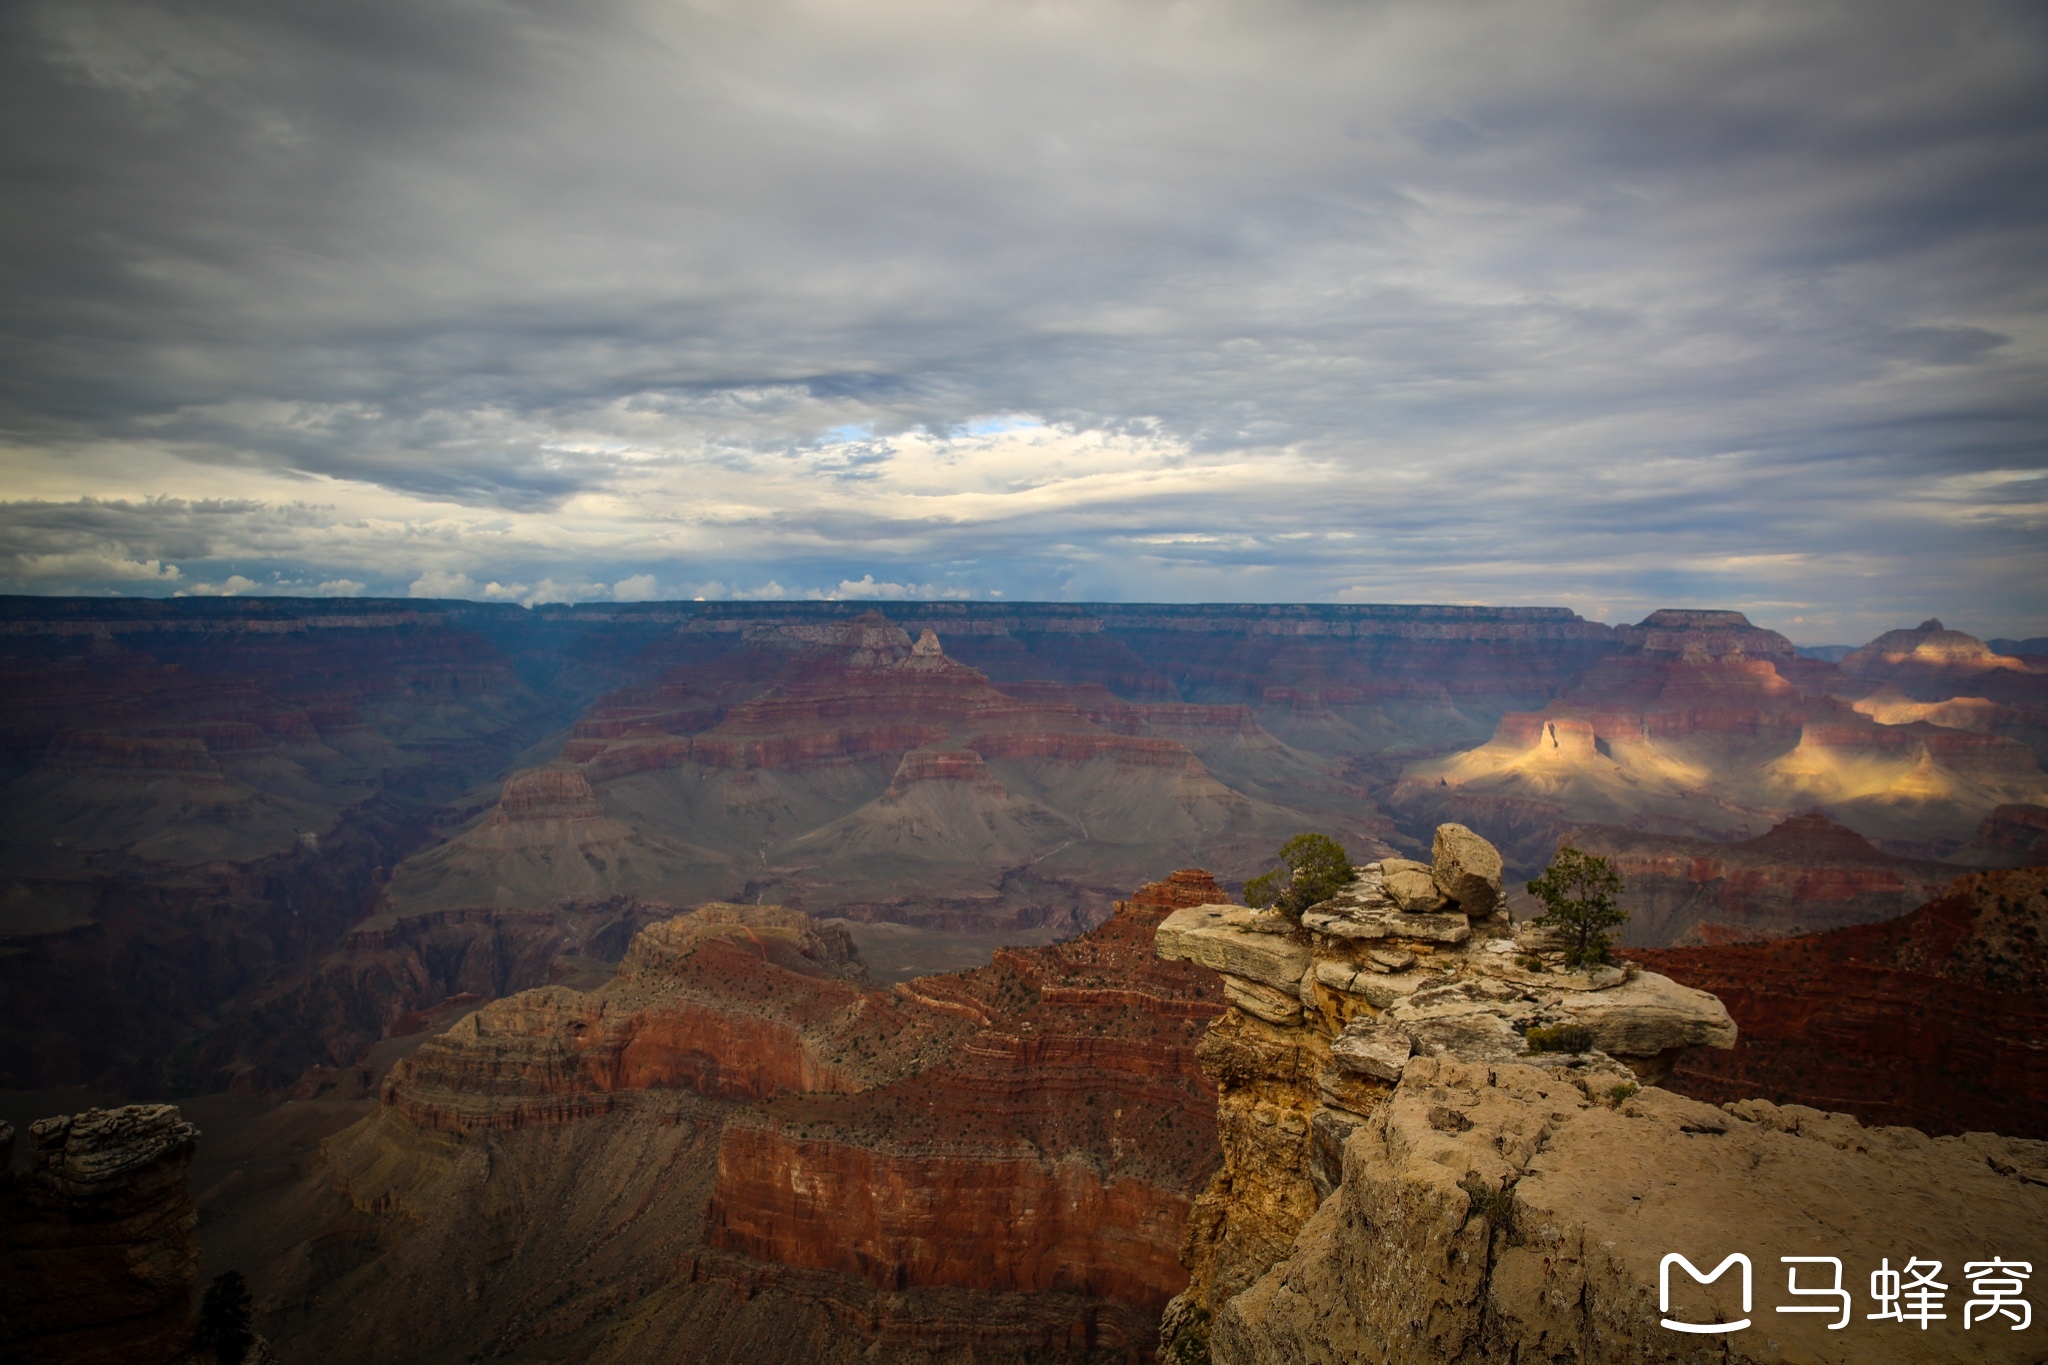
[
  {"x": 272, "y": 829},
  {"x": 738, "y": 1148},
  {"x": 759, "y": 981}
]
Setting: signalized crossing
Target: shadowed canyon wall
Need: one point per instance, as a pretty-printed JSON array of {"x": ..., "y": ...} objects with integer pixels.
[{"x": 1933, "y": 1020}]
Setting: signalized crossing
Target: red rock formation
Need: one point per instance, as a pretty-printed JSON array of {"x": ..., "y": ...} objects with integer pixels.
[
  {"x": 1059, "y": 1148},
  {"x": 1709, "y": 727},
  {"x": 97, "y": 1239},
  {"x": 547, "y": 794},
  {"x": 2011, "y": 836},
  {"x": 1933, "y": 1020},
  {"x": 735, "y": 1002}
]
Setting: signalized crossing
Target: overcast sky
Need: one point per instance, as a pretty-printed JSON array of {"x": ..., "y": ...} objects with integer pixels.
[{"x": 1608, "y": 306}]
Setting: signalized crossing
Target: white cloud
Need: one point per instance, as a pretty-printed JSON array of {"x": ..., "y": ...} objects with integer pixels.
[
  {"x": 441, "y": 583},
  {"x": 341, "y": 587},
  {"x": 867, "y": 587},
  {"x": 640, "y": 587},
  {"x": 232, "y": 586},
  {"x": 1535, "y": 302}
]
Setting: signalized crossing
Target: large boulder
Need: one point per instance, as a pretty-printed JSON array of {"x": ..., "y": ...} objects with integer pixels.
[
  {"x": 1412, "y": 887},
  {"x": 1466, "y": 869}
]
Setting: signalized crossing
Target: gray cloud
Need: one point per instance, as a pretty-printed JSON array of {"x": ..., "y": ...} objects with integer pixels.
[{"x": 1609, "y": 304}]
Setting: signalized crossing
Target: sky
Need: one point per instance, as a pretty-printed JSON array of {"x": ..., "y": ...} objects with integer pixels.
[{"x": 1609, "y": 306}]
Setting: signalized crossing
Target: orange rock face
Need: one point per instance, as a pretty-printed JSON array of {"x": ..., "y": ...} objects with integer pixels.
[
  {"x": 1059, "y": 1148},
  {"x": 1038, "y": 1126},
  {"x": 736, "y": 1003},
  {"x": 1932, "y": 1020}
]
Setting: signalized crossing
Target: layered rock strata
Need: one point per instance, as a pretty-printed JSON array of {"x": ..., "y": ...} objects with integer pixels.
[
  {"x": 1805, "y": 875},
  {"x": 1934, "y": 1019},
  {"x": 1058, "y": 1150},
  {"x": 1709, "y": 727},
  {"x": 1328, "y": 1015},
  {"x": 736, "y": 1150},
  {"x": 97, "y": 1239}
]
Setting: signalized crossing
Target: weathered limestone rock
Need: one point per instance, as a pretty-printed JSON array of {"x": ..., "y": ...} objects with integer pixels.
[
  {"x": 1466, "y": 868},
  {"x": 1587, "y": 1190},
  {"x": 98, "y": 1251},
  {"x": 1220, "y": 938},
  {"x": 1414, "y": 890},
  {"x": 1384, "y": 994},
  {"x": 1262, "y": 1001},
  {"x": 1647, "y": 1016},
  {"x": 1371, "y": 1049}
]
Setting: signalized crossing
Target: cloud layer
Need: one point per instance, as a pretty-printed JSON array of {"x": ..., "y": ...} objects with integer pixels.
[{"x": 1608, "y": 305}]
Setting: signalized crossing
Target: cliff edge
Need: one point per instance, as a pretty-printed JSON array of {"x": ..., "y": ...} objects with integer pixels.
[{"x": 1440, "y": 1145}]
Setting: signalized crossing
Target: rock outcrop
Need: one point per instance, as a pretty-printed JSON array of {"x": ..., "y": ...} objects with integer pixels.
[
  {"x": 1059, "y": 1148},
  {"x": 1520, "y": 1212},
  {"x": 1328, "y": 1015},
  {"x": 97, "y": 1239},
  {"x": 1932, "y": 1020},
  {"x": 1469, "y": 1167}
]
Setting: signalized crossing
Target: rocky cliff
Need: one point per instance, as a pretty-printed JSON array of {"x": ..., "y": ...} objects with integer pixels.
[
  {"x": 1409, "y": 961},
  {"x": 1933, "y": 1020},
  {"x": 742, "y": 1153},
  {"x": 97, "y": 1239},
  {"x": 1439, "y": 1146},
  {"x": 1802, "y": 876}
]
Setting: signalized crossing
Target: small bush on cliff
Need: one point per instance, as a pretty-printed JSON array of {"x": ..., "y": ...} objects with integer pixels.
[
  {"x": 1578, "y": 891},
  {"x": 224, "y": 1319},
  {"x": 1312, "y": 868},
  {"x": 1497, "y": 1207},
  {"x": 1560, "y": 1038}
]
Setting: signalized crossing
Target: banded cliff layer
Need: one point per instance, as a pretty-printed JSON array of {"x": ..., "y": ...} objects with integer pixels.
[
  {"x": 97, "y": 1248},
  {"x": 1933, "y": 1020},
  {"x": 1803, "y": 876},
  {"x": 735, "y": 1150}
]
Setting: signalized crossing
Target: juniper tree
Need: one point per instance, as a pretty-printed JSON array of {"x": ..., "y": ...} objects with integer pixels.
[
  {"x": 224, "y": 1319},
  {"x": 1312, "y": 868},
  {"x": 1578, "y": 891}
]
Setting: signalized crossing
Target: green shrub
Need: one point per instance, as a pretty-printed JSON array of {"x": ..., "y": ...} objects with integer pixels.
[
  {"x": 1561, "y": 1038},
  {"x": 1313, "y": 868},
  {"x": 1497, "y": 1207},
  {"x": 1624, "y": 1091},
  {"x": 223, "y": 1323},
  {"x": 1578, "y": 891}
]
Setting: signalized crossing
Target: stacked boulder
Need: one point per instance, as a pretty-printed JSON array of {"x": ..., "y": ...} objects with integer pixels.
[{"x": 1410, "y": 960}]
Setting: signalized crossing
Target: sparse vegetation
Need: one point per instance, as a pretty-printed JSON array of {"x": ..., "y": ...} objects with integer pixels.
[
  {"x": 1560, "y": 1038},
  {"x": 1497, "y": 1207},
  {"x": 224, "y": 1312},
  {"x": 1578, "y": 891},
  {"x": 1624, "y": 1091},
  {"x": 1313, "y": 867}
]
